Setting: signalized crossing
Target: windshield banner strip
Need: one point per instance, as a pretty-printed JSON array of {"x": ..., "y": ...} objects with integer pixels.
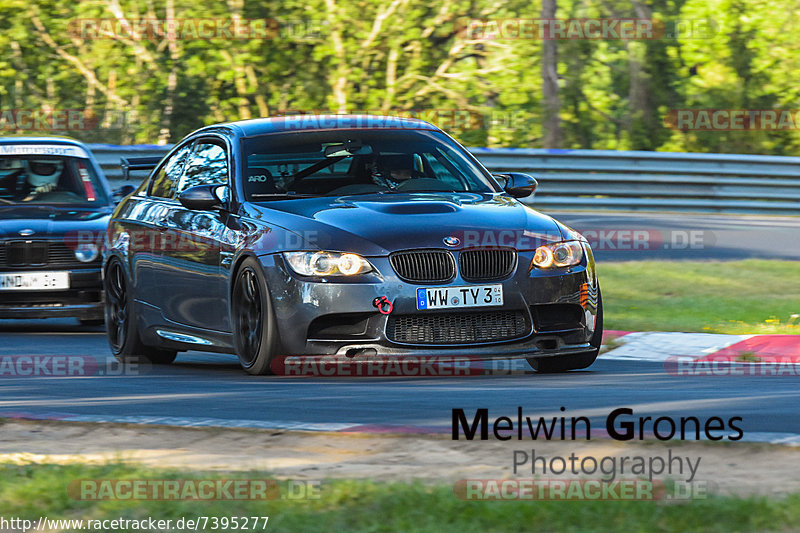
[{"x": 43, "y": 149}]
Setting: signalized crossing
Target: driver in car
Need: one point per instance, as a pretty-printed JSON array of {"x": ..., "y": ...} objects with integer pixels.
[
  {"x": 43, "y": 175},
  {"x": 397, "y": 168}
]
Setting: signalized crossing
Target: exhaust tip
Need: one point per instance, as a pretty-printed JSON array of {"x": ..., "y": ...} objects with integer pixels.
[{"x": 355, "y": 352}]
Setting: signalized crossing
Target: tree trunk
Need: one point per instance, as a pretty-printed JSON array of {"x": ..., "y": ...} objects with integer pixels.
[
  {"x": 551, "y": 122},
  {"x": 165, "y": 133},
  {"x": 340, "y": 71},
  {"x": 641, "y": 123}
]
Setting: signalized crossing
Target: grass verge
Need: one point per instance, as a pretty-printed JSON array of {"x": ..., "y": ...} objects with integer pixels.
[
  {"x": 752, "y": 296},
  {"x": 31, "y": 491}
]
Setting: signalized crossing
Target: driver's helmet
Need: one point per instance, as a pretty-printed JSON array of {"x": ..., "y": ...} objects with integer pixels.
[
  {"x": 43, "y": 171},
  {"x": 396, "y": 165},
  {"x": 389, "y": 162}
]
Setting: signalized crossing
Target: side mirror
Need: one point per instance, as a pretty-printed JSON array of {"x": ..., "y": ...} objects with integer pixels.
[
  {"x": 122, "y": 192},
  {"x": 201, "y": 198},
  {"x": 517, "y": 185}
]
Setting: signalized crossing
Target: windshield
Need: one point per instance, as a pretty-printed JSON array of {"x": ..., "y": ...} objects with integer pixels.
[
  {"x": 48, "y": 180},
  {"x": 343, "y": 162}
]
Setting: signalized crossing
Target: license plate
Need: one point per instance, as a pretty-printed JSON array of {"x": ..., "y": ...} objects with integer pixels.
[
  {"x": 466, "y": 296},
  {"x": 34, "y": 281}
]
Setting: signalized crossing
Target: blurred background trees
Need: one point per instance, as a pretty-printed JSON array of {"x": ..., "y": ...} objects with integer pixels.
[{"x": 412, "y": 56}]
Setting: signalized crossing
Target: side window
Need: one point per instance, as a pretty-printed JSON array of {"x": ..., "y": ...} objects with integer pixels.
[
  {"x": 208, "y": 165},
  {"x": 166, "y": 180}
]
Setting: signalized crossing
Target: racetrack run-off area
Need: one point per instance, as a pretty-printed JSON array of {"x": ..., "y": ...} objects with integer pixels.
[{"x": 647, "y": 372}]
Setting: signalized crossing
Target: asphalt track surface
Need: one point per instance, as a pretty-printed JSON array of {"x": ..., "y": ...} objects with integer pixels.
[
  {"x": 208, "y": 386},
  {"x": 212, "y": 387}
]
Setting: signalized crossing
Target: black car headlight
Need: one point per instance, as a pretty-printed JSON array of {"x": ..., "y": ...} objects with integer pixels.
[
  {"x": 327, "y": 263},
  {"x": 86, "y": 252},
  {"x": 558, "y": 254}
]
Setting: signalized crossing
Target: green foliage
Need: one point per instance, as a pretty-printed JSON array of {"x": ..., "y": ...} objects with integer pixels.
[
  {"x": 406, "y": 56},
  {"x": 32, "y": 491}
]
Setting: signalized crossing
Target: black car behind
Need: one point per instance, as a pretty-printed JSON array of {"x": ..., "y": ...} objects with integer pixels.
[{"x": 54, "y": 209}]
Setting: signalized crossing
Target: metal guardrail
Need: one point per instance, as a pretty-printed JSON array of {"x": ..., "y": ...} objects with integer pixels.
[
  {"x": 607, "y": 179},
  {"x": 108, "y": 155}
]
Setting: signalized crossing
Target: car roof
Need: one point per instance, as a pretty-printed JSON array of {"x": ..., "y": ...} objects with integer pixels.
[
  {"x": 40, "y": 140},
  {"x": 297, "y": 123}
]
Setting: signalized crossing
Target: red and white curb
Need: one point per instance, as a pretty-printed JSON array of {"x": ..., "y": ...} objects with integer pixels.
[{"x": 665, "y": 346}]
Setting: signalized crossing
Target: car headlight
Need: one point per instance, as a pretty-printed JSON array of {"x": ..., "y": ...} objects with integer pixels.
[
  {"x": 559, "y": 254},
  {"x": 327, "y": 263},
  {"x": 86, "y": 252}
]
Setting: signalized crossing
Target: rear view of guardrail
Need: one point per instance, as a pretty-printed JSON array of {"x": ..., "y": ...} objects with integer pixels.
[{"x": 606, "y": 179}]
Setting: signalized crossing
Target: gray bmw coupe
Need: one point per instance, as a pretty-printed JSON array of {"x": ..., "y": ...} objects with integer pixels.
[{"x": 353, "y": 236}]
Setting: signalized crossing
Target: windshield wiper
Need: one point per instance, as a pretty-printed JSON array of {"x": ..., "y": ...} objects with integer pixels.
[{"x": 9, "y": 202}]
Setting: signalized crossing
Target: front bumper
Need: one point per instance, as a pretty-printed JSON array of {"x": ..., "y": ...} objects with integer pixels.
[
  {"x": 304, "y": 308},
  {"x": 83, "y": 300}
]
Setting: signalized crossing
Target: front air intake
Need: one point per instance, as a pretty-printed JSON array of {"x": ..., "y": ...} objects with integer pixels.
[
  {"x": 457, "y": 327},
  {"x": 487, "y": 265},
  {"x": 424, "y": 266}
]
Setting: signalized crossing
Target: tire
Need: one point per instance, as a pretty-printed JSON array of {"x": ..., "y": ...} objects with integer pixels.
[
  {"x": 255, "y": 332},
  {"x": 564, "y": 363},
  {"x": 123, "y": 334},
  {"x": 91, "y": 321}
]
